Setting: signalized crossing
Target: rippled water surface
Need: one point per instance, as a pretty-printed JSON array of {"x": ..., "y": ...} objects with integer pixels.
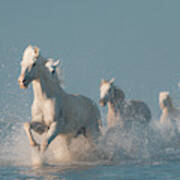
[{"x": 159, "y": 171}]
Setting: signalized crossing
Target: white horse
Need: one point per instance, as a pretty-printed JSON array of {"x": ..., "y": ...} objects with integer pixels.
[
  {"x": 169, "y": 111},
  {"x": 120, "y": 111},
  {"x": 53, "y": 110}
]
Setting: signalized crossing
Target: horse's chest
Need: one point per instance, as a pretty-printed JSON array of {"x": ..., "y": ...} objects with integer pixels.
[{"x": 48, "y": 112}]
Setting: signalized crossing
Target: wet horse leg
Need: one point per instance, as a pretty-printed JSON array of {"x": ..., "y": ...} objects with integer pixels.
[
  {"x": 27, "y": 128},
  {"x": 51, "y": 134}
]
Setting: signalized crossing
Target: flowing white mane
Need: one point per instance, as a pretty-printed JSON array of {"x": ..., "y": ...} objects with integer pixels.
[{"x": 56, "y": 68}]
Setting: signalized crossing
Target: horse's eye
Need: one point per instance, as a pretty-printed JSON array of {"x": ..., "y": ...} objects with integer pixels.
[{"x": 33, "y": 64}]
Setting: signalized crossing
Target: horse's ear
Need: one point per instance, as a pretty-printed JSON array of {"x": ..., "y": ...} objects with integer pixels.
[
  {"x": 112, "y": 80},
  {"x": 56, "y": 63},
  {"x": 36, "y": 51},
  {"x": 29, "y": 46},
  {"x": 102, "y": 81}
]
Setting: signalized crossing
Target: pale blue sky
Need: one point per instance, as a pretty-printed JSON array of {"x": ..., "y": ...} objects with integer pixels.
[{"x": 135, "y": 41}]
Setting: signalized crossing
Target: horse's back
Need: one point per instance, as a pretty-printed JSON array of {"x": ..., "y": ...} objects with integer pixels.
[
  {"x": 93, "y": 110},
  {"x": 172, "y": 114},
  {"x": 83, "y": 102},
  {"x": 84, "y": 110},
  {"x": 138, "y": 110}
]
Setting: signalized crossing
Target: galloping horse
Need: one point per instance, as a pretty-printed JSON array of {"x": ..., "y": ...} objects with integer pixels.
[
  {"x": 53, "y": 110},
  {"x": 169, "y": 111},
  {"x": 120, "y": 111}
]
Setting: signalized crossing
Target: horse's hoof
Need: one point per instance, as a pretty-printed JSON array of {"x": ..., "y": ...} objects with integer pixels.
[
  {"x": 44, "y": 146},
  {"x": 38, "y": 147},
  {"x": 35, "y": 145}
]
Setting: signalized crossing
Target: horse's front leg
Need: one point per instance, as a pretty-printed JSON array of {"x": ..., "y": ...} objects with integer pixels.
[
  {"x": 51, "y": 134},
  {"x": 27, "y": 128}
]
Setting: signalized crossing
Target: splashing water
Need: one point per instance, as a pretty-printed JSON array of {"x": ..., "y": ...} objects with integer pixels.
[{"x": 155, "y": 142}]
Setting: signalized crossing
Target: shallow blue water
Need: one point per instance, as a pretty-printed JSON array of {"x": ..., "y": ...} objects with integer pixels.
[
  {"x": 135, "y": 162},
  {"x": 164, "y": 171}
]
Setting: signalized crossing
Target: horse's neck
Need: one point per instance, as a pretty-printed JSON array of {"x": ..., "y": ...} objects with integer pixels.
[
  {"x": 116, "y": 107},
  {"x": 44, "y": 88},
  {"x": 170, "y": 109}
]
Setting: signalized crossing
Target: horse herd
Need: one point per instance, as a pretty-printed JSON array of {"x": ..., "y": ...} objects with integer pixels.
[{"x": 55, "y": 112}]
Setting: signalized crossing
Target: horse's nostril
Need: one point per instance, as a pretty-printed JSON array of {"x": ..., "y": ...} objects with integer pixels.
[
  {"x": 24, "y": 80},
  {"x": 101, "y": 102}
]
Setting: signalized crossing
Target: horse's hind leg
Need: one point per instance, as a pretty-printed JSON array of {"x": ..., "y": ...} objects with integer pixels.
[{"x": 27, "y": 128}]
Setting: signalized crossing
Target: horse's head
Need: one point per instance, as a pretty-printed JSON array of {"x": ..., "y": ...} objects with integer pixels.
[
  {"x": 105, "y": 91},
  {"x": 164, "y": 99},
  {"x": 109, "y": 92},
  {"x": 29, "y": 66}
]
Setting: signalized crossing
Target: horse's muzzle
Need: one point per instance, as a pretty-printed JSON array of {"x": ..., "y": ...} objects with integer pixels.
[
  {"x": 102, "y": 102},
  {"x": 22, "y": 83}
]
